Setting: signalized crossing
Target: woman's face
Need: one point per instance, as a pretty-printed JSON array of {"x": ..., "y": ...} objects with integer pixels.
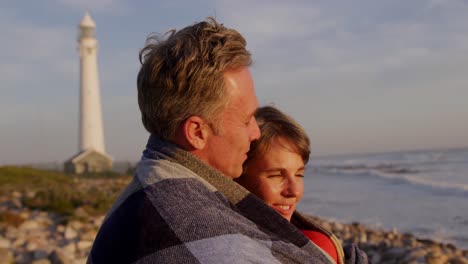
[{"x": 276, "y": 177}]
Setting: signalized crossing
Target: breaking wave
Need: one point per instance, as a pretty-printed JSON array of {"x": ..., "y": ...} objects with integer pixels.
[{"x": 397, "y": 175}]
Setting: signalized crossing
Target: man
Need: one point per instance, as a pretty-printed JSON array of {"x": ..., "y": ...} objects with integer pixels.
[{"x": 197, "y": 100}]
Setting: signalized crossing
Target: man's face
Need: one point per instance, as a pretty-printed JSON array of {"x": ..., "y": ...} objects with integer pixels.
[{"x": 227, "y": 150}]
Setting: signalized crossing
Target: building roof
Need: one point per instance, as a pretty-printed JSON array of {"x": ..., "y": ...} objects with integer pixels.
[{"x": 82, "y": 154}]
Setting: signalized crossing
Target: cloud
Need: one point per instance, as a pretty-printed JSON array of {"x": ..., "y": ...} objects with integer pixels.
[
  {"x": 271, "y": 20},
  {"x": 276, "y": 23}
]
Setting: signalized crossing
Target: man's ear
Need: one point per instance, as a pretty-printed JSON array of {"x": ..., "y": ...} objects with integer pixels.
[{"x": 196, "y": 132}]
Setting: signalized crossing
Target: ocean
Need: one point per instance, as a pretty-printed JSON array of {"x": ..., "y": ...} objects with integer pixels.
[{"x": 420, "y": 192}]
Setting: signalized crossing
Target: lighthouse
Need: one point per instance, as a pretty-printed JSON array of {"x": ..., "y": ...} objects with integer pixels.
[
  {"x": 91, "y": 156},
  {"x": 91, "y": 131}
]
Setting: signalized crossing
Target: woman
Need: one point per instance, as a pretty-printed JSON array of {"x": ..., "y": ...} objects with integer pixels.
[{"x": 274, "y": 171}]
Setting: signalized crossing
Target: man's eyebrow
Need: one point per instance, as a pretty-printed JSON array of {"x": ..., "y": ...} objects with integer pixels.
[{"x": 251, "y": 114}]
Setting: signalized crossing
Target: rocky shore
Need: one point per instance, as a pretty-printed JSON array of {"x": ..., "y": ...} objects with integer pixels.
[
  {"x": 41, "y": 237},
  {"x": 394, "y": 247}
]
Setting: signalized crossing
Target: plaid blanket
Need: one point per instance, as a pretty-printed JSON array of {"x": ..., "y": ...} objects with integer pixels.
[{"x": 177, "y": 209}]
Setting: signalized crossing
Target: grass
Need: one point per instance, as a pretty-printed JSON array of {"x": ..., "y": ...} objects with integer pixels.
[
  {"x": 25, "y": 178},
  {"x": 61, "y": 193},
  {"x": 100, "y": 175}
]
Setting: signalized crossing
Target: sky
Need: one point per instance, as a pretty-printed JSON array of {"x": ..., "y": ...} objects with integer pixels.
[{"x": 360, "y": 76}]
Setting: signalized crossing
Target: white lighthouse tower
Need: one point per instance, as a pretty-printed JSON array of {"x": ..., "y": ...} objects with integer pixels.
[
  {"x": 92, "y": 156},
  {"x": 91, "y": 131}
]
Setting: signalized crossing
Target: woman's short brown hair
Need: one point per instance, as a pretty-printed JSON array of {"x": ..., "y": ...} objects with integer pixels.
[
  {"x": 182, "y": 75},
  {"x": 275, "y": 124}
]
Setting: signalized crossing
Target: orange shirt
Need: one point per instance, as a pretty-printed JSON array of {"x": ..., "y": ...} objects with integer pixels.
[{"x": 324, "y": 242}]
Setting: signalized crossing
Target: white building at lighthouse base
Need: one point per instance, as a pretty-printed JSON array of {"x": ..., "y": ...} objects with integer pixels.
[{"x": 88, "y": 161}]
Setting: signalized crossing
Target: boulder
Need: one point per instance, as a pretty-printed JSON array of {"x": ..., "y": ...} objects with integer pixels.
[
  {"x": 4, "y": 243},
  {"x": 6, "y": 257},
  {"x": 29, "y": 225},
  {"x": 69, "y": 248},
  {"x": 70, "y": 233},
  {"x": 84, "y": 245},
  {"x": 60, "y": 257},
  {"x": 89, "y": 235},
  {"x": 41, "y": 261}
]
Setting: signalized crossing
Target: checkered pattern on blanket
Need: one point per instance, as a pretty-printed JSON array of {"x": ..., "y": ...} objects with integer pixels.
[{"x": 179, "y": 210}]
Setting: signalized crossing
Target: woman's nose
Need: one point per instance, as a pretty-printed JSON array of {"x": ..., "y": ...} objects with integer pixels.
[{"x": 292, "y": 187}]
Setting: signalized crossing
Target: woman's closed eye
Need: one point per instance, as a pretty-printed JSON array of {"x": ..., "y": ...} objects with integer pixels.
[
  {"x": 274, "y": 175},
  {"x": 300, "y": 173}
]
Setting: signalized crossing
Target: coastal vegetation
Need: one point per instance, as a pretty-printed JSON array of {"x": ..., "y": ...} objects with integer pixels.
[{"x": 61, "y": 193}]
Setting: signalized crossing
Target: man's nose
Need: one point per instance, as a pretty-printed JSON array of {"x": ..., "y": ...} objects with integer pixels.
[{"x": 254, "y": 131}]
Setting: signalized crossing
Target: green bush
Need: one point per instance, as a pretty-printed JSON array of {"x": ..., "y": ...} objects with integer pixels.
[
  {"x": 61, "y": 193},
  {"x": 101, "y": 175},
  {"x": 26, "y": 178},
  {"x": 64, "y": 201}
]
